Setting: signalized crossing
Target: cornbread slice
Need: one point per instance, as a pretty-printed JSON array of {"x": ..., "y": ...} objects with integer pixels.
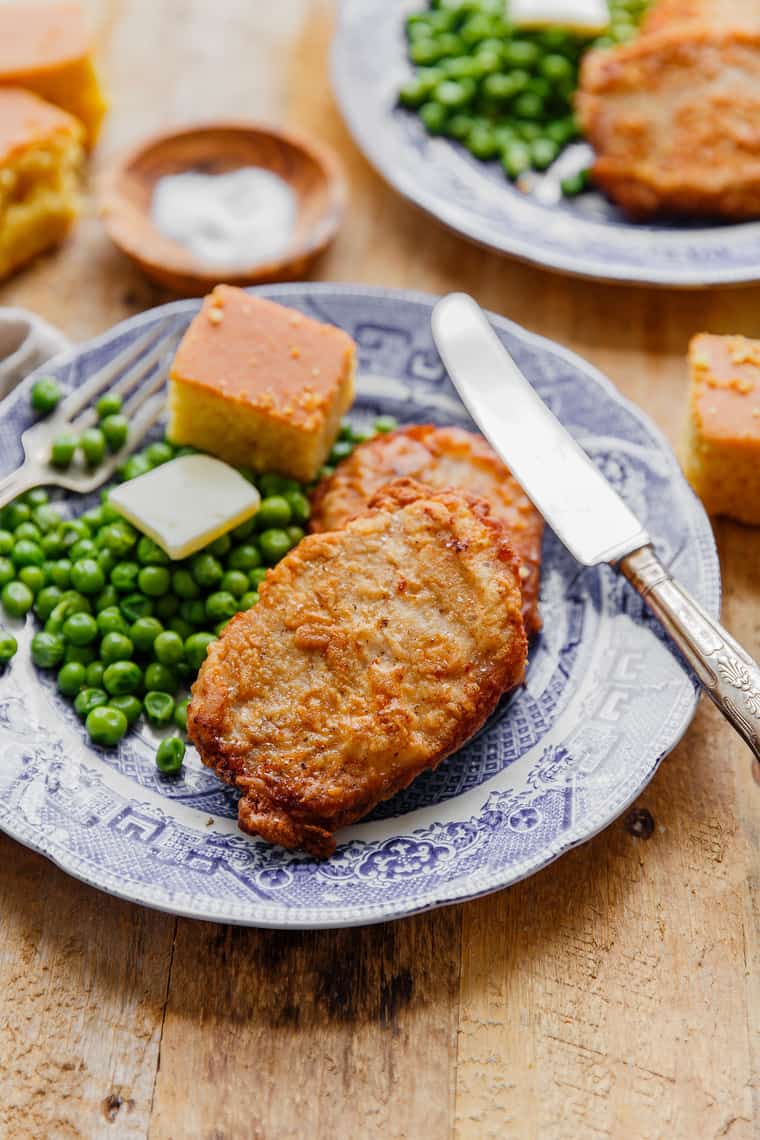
[
  {"x": 260, "y": 385},
  {"x": 721, "y": 454},
  {"x": 48, "y": 49},
  {"x": 41, "y": 153}
]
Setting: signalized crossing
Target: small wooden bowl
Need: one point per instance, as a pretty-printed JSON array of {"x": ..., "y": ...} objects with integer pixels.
[{"x": 126, "y": 191}]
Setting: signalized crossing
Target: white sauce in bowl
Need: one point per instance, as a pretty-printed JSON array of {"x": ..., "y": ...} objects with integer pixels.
[{"x": 242, "y": 218}]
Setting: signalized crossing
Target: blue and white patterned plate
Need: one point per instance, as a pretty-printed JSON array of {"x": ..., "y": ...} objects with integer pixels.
[
  {"x": 586, "y": 236},
  {"x": 604, "y": 700}
]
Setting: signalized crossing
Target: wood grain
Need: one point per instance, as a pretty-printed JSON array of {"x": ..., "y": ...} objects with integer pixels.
[{"x": 615, "y": 994}]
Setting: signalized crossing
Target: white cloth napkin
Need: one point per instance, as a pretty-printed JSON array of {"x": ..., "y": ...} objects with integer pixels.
[{"x": 26, "y": 342}]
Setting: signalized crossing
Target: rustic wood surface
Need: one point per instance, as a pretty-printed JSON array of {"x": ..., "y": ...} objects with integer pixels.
[{"x": 615, "y": 994}]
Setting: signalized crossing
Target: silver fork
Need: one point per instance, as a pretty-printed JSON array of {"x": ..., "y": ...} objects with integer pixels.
[{"x": 137, "y": 375}]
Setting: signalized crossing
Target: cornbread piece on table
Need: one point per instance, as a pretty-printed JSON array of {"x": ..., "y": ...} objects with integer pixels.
[
  {"x": 41, "y": 154},
  {"x": 673, "y": 118},
  {"x": 374, "y": 652},
  {"x": 47, "y": 49},
  {"x": 260, "y": 385},
  {"x": 439, "y": 457},
  {"x": 722, "y": 446}
]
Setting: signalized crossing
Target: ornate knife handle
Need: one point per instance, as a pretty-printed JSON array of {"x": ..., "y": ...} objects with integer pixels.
[{"x": 729, "y": 675}]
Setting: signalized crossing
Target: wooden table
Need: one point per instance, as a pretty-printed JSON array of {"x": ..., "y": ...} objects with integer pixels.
[{"x": 615, "y": 994}]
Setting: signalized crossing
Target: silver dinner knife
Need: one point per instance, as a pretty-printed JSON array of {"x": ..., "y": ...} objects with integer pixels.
[{"x": 583, "y": 510}]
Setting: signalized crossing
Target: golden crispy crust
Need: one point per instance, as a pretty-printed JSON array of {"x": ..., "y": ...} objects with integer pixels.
[
  {"x": 374, "y": 652},
  {"x": 674, "y": 118},
  {"x": 439, "y": 458},
  {"x": 665, "y": 14}
]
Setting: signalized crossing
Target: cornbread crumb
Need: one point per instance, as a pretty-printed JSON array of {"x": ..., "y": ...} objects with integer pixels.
[
  {"x": 264, "y": 410},
  {"x": 721, "y": 450}
]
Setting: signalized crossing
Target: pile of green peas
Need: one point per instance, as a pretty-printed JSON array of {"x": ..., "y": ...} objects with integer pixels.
[
  {"x": 504, "y": 93},
  {"x": 125, "y": 628},
  {"x": 111, "y": 433}
]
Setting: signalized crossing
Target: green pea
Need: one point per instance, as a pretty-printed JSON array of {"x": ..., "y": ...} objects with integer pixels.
[
  {"x": 169, "y": 648},
  {"x": 84, "y": 654},
  {"x": 414, "y": 93},
  {"x": 160, "y": 677},
  {"x": 116, "y": 647},
  {"x": 106, "y": 560},
  {"x": 193, "y": 611},
  {"x": 274, "y": 545},
  {"x": 220, "y": 546},
  {"x": 180, "y": 626},
  {"x": 154, "y": 580},
  {"x": 47, "y": 649},
  {"x": 8, "y": 647},
  {"x": 60, "y": 573},
  {"x": 28, "y": 530},
  {"x": 122, "y": 677},
  {"x": 180, "y": 713},
  {"x": 158, "y": 453},
  {"x": 169, "y": 755},
  {"x": 6, "y": 542},
  {"x": 108, "y": 596},
  {"x": 93, "y": 446},
  {"x": 52, "y": 545},
  {"x": 37, "y": 497},
  {"x": 295, "y": 534},
  {"x": 87, "y": 576},
  {"x": 220, "y": 627},
  {"x": 133, "y": 468},
  {"x": 108, "y": 405},
  {"x": 46, "y": 517},
  {"x": 118, "y": 537},
  {"x": 110, "y": 512},
  {"x": 206, "y": 570},
  {"x": 71, "y": 678},
  {"x": 234, "y": 582},
  {"x": 106, "y": 725},
  {"x": 159, "y": 708},
  {"x": 341, "y": 449},
  {"x": 63, "y": 450},
  {"x": 196, "y": 648},
  {"x": 124, "y": 576},
  {"x": 7, "y": 571},
  {"x": 46, "y": 601},
  {"x": 574, "y": 185},
  {"x": 27, "y": 553},
  {"x": 15, "y": 514},
  {"x": 274, "y": 511},
  {"x": 144, "y": 632},
  {"x": 248, "y": 600},
  {"x": 80, "y": 628},
  {"x": 149, "y": 553},
  {"x": 385, "y": 424},
  {"x": 483, "y": 142},
  {"x": 257, "y": 576},
  {"x": 88, "y": 699},
  {"x": 434, "y": 116},
  {"x": 17, "y": 599},
  {"x": 220, "y": 606},
  {"x": 244, "y": 530},
  {"x": 543, "y": 153},
  {"x": 94, "y": 674},
  {"x": 32, "y": 576},
  {"x": 516, "y": 159},
  {"x": 300, "y": 507},
  {"x": 73, "y": 531},
  {"x": 325, "y": 471},
  {"x": 184, "y": 585},
  {"x": 556, "y": 67},
  {"x": 46, "y": 395},
  {"x": 115, "y": 429},
  {"x": 85, "y": 548},
  {"x": 166, "y": 606},
  {"x": 245, "y": 557},
  {"x": 130, "y": 705}
]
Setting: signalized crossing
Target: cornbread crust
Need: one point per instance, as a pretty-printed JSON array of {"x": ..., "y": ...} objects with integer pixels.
[
  {"x": 46, "y": 48},
  {"x": 721, "y": 449},
  {"x": 260, "y": 385},
  {"x": 41, "y": 153},
  {"x": 439, "y": 457},
  {"x": 374, "y": 652}
]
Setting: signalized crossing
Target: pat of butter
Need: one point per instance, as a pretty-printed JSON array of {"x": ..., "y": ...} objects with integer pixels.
[
  {"x": 587, "y": 16},
  {"x": 186, "y": 503}
]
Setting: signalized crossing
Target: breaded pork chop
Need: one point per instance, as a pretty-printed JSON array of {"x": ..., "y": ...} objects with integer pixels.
[
  {"x": 374, "y": 652},
  {"x": 674, "y": 118},
  {"x": 439, "y": 458},
  {"x": 715, "y": 13}
]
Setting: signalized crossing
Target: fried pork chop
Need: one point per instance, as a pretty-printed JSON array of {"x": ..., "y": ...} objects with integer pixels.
[
  {"x": 715, "y": 13},
  {"x": 674, "y": 118},
  {"x": 439, "y": 458},
  {"x": 374, "y": 652}
]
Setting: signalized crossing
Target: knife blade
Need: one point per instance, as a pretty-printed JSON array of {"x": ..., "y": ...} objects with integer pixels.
[
  {"x": 583, "y": 510},
  {"x": 586, "y": 513}
]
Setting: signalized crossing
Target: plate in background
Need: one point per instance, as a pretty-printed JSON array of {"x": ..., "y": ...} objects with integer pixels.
[
  {"x": 585, "y": 236},
  {"x": 604, "y": 699}
]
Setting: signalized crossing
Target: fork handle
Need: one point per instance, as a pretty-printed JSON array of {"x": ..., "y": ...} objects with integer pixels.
[
  {"x": 24, "y": 478},
  {"x": 730, "y": 677}
]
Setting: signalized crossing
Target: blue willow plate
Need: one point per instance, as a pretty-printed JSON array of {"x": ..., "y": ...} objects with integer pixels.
[
  {"x": 605, "y": 697},
  {"x": 586, "y": 236}
]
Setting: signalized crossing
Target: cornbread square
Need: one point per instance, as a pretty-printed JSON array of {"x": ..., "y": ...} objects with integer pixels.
[
  {"x": 721, "y": 454},
  {"x": 260, "y": 385},
  {"x": 41, "y": 152},
  {"x": 47, "y": 49}
]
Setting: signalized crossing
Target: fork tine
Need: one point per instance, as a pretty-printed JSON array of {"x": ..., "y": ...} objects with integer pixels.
[
  {"x": 136, "y": 401},
  {"x": 101, "y": 379},
  {"x": 132, "y": 378},
  {"x": 146, "y": 417}
]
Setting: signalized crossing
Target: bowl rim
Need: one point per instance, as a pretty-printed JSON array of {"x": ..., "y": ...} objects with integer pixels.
[{"x": 110, "y": 201}]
